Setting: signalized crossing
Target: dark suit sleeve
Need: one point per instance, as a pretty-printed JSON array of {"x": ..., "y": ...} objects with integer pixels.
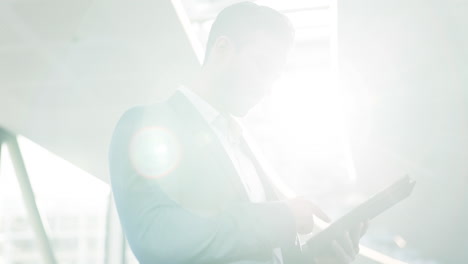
[{"x": 159, "y": 230}]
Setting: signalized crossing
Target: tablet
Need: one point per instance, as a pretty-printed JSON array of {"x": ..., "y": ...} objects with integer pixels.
[{"x": 369, "y": 209}]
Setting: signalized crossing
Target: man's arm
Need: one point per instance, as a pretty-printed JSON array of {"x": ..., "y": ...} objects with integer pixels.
[{"x": 159, "y": 230}]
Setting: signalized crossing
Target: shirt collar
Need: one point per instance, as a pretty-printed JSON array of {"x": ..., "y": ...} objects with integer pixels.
[
  {"x": 208, "y": 112},
  {"x": 231, "y": 124}
]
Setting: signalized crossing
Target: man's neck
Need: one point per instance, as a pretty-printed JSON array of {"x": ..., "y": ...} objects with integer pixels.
[{"x": 205, "y": 88}]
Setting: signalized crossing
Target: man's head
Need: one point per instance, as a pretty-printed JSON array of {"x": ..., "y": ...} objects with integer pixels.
[{"x": 246, "y": 52}]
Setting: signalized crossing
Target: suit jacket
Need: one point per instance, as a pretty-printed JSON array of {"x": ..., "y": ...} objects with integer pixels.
[{"x": 198, "y": 210}]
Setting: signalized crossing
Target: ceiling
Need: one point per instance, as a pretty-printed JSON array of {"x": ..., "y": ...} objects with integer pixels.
[{"x": 68, "y": 69}]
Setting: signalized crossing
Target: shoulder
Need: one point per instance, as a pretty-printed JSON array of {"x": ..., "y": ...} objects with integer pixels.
[
  {"x": 139, "y": 115},
  {"x": 143, "y": 133},
  {"x": 139, "y": 118},
  {"x": 158, "y": 114}
]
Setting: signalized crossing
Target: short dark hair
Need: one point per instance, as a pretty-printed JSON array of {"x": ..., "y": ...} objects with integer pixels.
[{"x": 240, "y": 21}]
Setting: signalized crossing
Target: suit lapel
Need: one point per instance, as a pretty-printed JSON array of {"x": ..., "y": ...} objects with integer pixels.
[{"x": 201, "y": 132}]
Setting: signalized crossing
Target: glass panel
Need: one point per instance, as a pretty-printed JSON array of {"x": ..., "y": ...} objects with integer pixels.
[
  {"x": 72, "y": 202},
  {"x": 18, "y": 242}
]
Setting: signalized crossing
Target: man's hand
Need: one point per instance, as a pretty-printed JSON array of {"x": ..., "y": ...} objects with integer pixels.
[
  {"x": 344, "y": 249},
  {"x": 303, "y": 212}
]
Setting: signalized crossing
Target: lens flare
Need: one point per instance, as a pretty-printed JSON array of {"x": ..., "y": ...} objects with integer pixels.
[{"x": 154, "y": 152}]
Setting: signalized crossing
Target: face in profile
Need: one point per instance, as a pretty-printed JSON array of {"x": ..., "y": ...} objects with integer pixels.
[{"x": 249, "y": 71}]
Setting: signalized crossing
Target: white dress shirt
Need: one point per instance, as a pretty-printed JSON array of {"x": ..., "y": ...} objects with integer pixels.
[{"x": 229, "y": 132}]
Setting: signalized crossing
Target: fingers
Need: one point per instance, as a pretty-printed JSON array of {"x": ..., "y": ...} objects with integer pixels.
[
  {"x": 356, "y": 236},
  {"x": 340, "y": 253},
  {"x": 357, "y": 233},
  {"x": 321, "y": 214},
  {"x": 365, "y": 226},
  {"x": 345, "y": 249},
  {"x": 348, "y": 244},
  {"x": 316, "y": 210}
]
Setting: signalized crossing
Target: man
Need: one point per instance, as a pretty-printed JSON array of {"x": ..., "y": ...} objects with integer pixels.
[{"x": 188, "y": 187}]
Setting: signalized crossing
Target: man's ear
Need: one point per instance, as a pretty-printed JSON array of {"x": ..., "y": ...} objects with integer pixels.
[{"x": 223, "y": 48}]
